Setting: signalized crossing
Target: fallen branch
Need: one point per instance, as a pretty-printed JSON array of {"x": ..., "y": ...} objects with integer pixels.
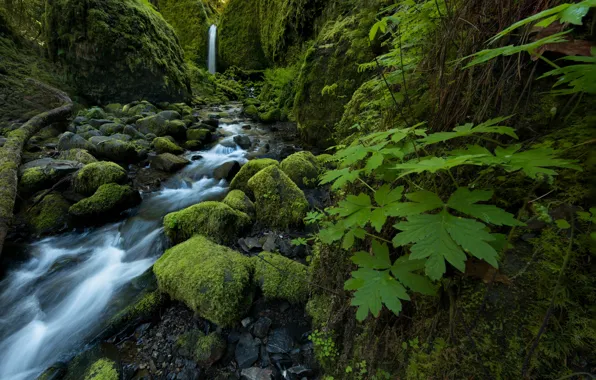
[{"x": 10, "y": 154}]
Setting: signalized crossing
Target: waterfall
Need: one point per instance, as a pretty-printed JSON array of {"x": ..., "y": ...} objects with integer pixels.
[{"x": 211, "y": 60}]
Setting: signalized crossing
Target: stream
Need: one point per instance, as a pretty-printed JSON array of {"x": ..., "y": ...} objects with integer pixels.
[{"x": 55, "y": 303}]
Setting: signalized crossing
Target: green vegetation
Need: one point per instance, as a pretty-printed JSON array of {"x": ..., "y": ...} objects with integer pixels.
[
  {"x": 165, "y": 145},
  {"x": 50, "y": 215},
  {"x": 103, "y": 369},
  {"x": 248, "y": 170},
  {"x": 302, "y": 168},
  {"x": 281, "y": 278},
  {"x": 237, "y": 200},
  {"x": 92, "y": 176},
  {"x": 109, "y": 199},
  {"x": 212, "y": 280},
  {"x": 80, "y": 155}
]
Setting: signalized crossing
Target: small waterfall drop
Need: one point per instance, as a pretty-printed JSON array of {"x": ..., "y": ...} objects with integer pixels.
[{"x": 211, "y": 63}]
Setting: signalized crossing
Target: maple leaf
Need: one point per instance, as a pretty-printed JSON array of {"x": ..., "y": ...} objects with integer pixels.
[
  {"x": 465, "y": 201},
  {"x": 469, "y": 130}
]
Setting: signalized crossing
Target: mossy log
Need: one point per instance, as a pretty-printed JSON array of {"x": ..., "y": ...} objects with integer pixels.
[{"x": 10, "y": 154}]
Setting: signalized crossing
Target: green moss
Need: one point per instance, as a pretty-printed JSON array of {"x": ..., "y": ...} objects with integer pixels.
[
  {"x": 198, "y": 134},
  {"x": 165, "y": 145},
  {"x": 209, "y": 349},
  {"x": 212, "y": 280},
  {"x": 103, "y": 369},
  {"x": 248, "y": 170},
  {"x": 94, "y": 113},
  {"x": 216, "y": 220},
  {"x": 36, "y": 179},
  {"x": 326, "y": 161},
  {"x": 270, "y": 116},
  {"x": 251, "y": 111},
  {"x": 279, "y": 202},
  {"x": 50, "y": 215},
  {"x": 319, "y": 308},
  {"x": 237, "y": 200},
  {"x": 302, "y": 168},
  {"x": 141, "y": 310},
  {"x": 108, "y": 199},
  {"x": 130, "y": 50},
  {"x": 281, "y": 278},
  {"x": 95, "y": 174},
  {"x": 194, "y": 145}
]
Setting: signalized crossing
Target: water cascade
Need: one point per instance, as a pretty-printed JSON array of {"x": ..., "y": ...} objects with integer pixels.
[{"x": 211, "y": 62}]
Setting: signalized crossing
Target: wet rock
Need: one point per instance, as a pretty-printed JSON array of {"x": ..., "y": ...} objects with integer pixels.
[
  {"x": 261, "y": 327},
  {"x": 247, "y": 127},
  {"x": 212, "y": 122},
  {"x": 113, "y": 150},
  {"x": 280, "y": 341},
  {"x": 243, "y": 141},
  {"x": 209, "y": 349},
  {"x": 132, "y": 132},
  {"x": 111, "y": 129},
  {"x": 69, "y": 140},
  {"x": 79, "y": 120},
  {"x": 55, "y": 372},
  {"x": 168, "y": 162},
  {"x": 196, "y": 157},
  {"x": 299, "y": 371},
  {"x": 233, "y": 336},
  {"x": 256, "y": 373},
  {"x": 121, "y": 137},
  {"x": 247, "y": 351},
  {"x": 44, "y": 173},
  {"x": 227, "y": 170},
  {"x": 96, "y": 123},
  {"x": 269, "y": 244},
  {"x": 170, "y": 115},
  {"x": 49, "y": 216},
  {"x": 165, "y": 145},
  {"x": 109, "y": 200},
  {"x": 246, "y": 322}
]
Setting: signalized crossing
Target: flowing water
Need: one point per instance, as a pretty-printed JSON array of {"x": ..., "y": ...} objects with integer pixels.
[
  {"x": 55, "y": 302},
  {"x": 211, "y": 61}
]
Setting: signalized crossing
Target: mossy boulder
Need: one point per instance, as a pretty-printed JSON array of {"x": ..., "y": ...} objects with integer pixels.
[
  {"x": 103, "y": 369},
  {"x": 212, "y": 280},
  {"x": 111, "y": 129},
  {"x": 69, "y": 140},
  {"x": 326, "y": 161},
  {"x": 251, "y": 111},
  {"x": 279, "y": 202},
  {"x": 199, "y": 134},
  {"x": 160, "y": 126},
  {"x": 113, "y": 149},
  {"x": 168, "y": 162},
  {"x": 216, "y": 220},
  {"x": 281, "y": 278},
  {"x": 238, "y": 200},
  {"x": 302, "y": 168},
  {"x": 94, "y": 113},
  {"x": 139, "y": 108},
  {"x": 79, "y": 155},
  {"x": 209, "y": 349},
  {"x": 114, "y": 109},
  {"x": 120, "y": 50},
  {"x": 270, "y": 116},
  {"x": 93, "y": 175},
  {"x": 248, "y": 170},
  {"x": 49, "y": 216},
  {"x": 44, "y": 173},
  {"x": 108, "y": 201},
  {"x": 165, "y": 145}
]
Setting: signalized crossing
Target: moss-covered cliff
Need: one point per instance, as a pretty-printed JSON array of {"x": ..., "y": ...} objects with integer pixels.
[{"x": 117, "y": 50}]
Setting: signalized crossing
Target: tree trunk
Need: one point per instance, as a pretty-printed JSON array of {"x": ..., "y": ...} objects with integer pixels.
[{"x": 10, "y": 154}]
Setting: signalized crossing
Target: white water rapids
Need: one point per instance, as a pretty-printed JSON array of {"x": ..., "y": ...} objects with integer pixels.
[{"x": 53, "y": 304}]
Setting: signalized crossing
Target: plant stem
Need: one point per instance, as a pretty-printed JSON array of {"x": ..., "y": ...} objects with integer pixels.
[
  {"x": 367, "y": 185},
  {"x": 378, "y": 238}
]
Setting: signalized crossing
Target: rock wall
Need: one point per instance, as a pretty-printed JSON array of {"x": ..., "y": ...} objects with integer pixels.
[{"x": 117, "y": 50}]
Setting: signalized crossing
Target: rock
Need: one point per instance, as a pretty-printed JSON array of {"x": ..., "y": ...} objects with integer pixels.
[
  {"x": 243, "y": 141},
  {"x": 90, "y": 133},
  {"x": 114, "y": 150},
  {"x": 212, "y": 122},
  {"x": 198, "y": 134},
  {"x": 246, "y": 322},
  {"x": 103, "y": 369},
  {"x": 49, "y": 216},
  {"x": 248, "y": 170},
  {"x": 80, "y": 120},
  {"x": 167, "y": 162},
  {"x": 227, "y": 170},
  {"x": 280, "y": 341},
  {"x": 299, "y": 371},
  {"x": 121, "y": 137},
  {"x": 69, "y": 140},
  {"x": 132, "y": 132},
  {"x": 281, "y": 278},
  {"x": 209, "y": 349},
  {"x": 164, "y": 145},
  {"x": 212, "y": 280},
  {"x": 270, "y": 245},
  {"x": 160, "y": 126},
  {"x": 247, "y": 351},
  {"x": 97, "y": 123},
  {"x": 270, "y": 116},
  {"x": 111, "y": 129},
  {"x": 251, "y": 112},
  {"x": 93, "y": 113},
  {"x": 247, "y": 127},
  {"x": 302, "y": 168},
  {"x": 196, "y": 157},
  {"x": 114, "y": 109},
  {"x": 119, "y": 64},
  {"x": 139, "y": 108},
  {"x": 261, "y": 327},
  {"x": 237, "y": 200},
  {"x": 170, "y": 115},
  {"x": 108, "y": 201},
  {"x": 79, "y": 155},
  {"x": 255, "y": 373},
  {"x": 55, "y": 372},
  {"x": 194, "y": 145},
  {"x": 216, "y": 220},
  {"x": 279, "y": 203},
  {"x": 44, "y": 173},
  {"x": 95, "y": 174}
]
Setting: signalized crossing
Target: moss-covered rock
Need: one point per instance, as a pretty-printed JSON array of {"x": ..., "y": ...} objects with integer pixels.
[
  {"x": 198, "y": 134},
  {"x": 168, "y": 162},
  {"x": 36, "y": 179},
  {"x": 165, "y": 145},
  {"x": 160, "y": 126},
  {"x": 194, "y": 145},
  {"x": 326, "y": 161},
  {"x": 49, "y": 216},
  {"x": 69, "y": 141},
  {"x": 111, "y": 129},
  {"x": 209, "y": 349},
  {"x": 302, "y": 168},
  {"x": 139, "y": 108},
  {"x": 251, "y": 111},
  {"x": 279, "y": 202},
  {"x": 130, "y": 52},
  {"x": 248, "y": 170},
  {"x": 238, "y": 200},
  {"x": 281, "y": 278},
  {"x": 103, "y": 369},
  {"x": 94, "y": 113},
  {"x": 113, "y": 149},
  {"x": 270, "y": 116},
  {"x": 108, "y": 201},
  {"x": 79, "y": 155},
  {"x": 114, "y": 109},
  {"x": 216, "y": 220},
  {"x": 212, "y": 280},
  {"x": 93, "y": 175}
]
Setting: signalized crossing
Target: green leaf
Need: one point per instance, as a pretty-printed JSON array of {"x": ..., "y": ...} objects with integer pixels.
[
  {"x": 469, "y": 130},
  {"x": 465, "y": 201},
  {"x": 533, "y": 162},
  {"x": 373, "y": 289},
  {"x": 402, "y": 270},
  {"x": 375, "y": 160},
  {"x": 378, "y": 219},
  {"x": 340, "y": 177},
  {"x": 356, "y": 209},
  {"x": 385, "y": 195},
  {"x": 423, "y": 201},
  {"x": 562, "y": 224},
  {"x": 576, "y": 12},
  {"x": 441, "y": 237},
  {"x": 380, "y": 259},
  {"x": 433, "y": 164}
]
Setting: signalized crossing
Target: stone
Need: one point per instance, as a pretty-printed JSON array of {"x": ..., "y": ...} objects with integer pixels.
[
  {"x": 111, "y": 128},
  {"x": 168, "y": 162},
  {"x": 202, "y": 135},
  {"x": 247, "y": 351},
  {"x": 248, "y": 170},
  {"x": 243, "y": 141},
  {"x": 261, "y": 327},
  {"x": 255, "y": 373},
  {"x": 121, "y": 137},
  {"x": 281, "y": 278},
  {"x": 112, "y": 149},
  {"x": 161, "y": 126},
  {"x": 97, "y": 123},
  {"x": 280, "y": 341},
  {"x": 69, "y": 140},
  {"x": 132, "y": 132},
  {"x": 212, "y": 122},
  {"x": 49, "y": 216},
  {"x": 44, "y": 173},
  {"x": 95, "y": 174},
  {"x": 302, "y": 168},
  {"x": 227, "y": 170},
  {"x": 108, "y": 201},
  {"x": 165, "y": 145},
  {"x": 237, "y": 200},
  {"x": 170, "y": 115},
  {"x": 209, "y": 349}
]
